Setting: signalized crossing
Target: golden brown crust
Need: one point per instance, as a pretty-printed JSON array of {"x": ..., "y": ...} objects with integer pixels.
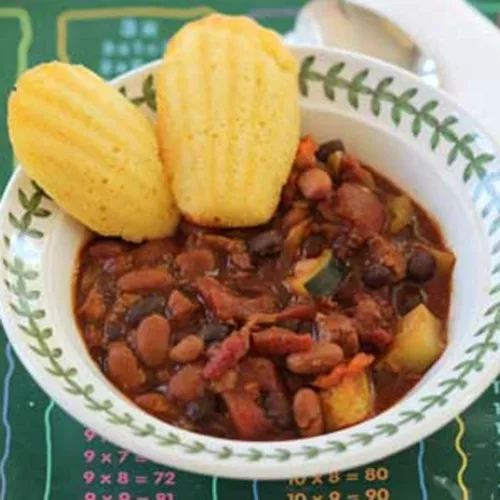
[
  {"x": 228, "y": 120},
  {"x": 92, "y": 150}
]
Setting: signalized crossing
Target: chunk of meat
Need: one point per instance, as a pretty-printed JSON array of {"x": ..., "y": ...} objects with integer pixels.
[
  {"x": 297, "y": 214},
  {"x": 145, "y": 280},
  {"x": 241, "y": 261},
  {"x": 218, "y": 242},
  {"x": 327, "y": 210},
  {"x": 338, "y": 329},
  {"x": 180, "y": 306},
  {"x": 195, "y": 263},
  {"x": 277, "y": 341},
  {"x": 187, "y": 350},
  {"x": 370, "y": 313},
  {"x": 93, "y": 336},
  {"x": 263, "y": 375},
  {"x": 227, "y": 382},
  {"x": 321, "y": 358},
  {"x": 387, "y": 254},
  {"x": 379, "y": 338},
  {"x": 187, "y": 384},
  {"x": 352, "y": 171},
  {"x": 228, "y": 306},
  {"x": 357, "y": 365},
  {"x": 277, "y": 408},
  {"x": 361, "y": 206},
  {"x": 94, "y": 308},
  {"x": 152, "y": 340},
  {"x": 123, "y": 367},
  {"x": 349, "y": 240},
  {"x": 266, "y": 244},
  {"x": 315, "y": 184},
  {"x": 248, "y": 417},
  {"x": 307, "y": 413},
  {"x": 227, "y": 355},
  {"x": 261, "y": 371}
]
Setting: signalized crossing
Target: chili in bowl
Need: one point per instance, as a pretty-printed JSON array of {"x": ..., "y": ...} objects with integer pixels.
[{"x": 363, "y": 314}]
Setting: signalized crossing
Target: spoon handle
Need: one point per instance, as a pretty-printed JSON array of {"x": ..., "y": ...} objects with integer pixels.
[{"x": 465, "y": 45}]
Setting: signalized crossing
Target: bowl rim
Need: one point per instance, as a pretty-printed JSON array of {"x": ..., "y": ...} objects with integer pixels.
[{"x": 267, "y": 469}]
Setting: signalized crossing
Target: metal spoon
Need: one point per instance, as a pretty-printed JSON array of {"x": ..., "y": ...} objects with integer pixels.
[{"x": 348, "y": 25}]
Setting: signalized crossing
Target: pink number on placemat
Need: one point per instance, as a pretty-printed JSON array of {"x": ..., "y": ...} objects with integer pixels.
[
  {"x": 164, "y": 496},
  {"x": 123, "y": 478},
  {"x": 88, "y": 476},
  {"x": 124, "y": 496},
  {"x": 90, "y": 496},
  {"x": 89, "y": 435},
  {"x": 166, "y": 478},
  {"x": 89, "y": 456},
  {"x": 122, "y": 455}
]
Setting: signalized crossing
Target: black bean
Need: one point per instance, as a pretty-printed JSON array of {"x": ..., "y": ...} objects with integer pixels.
[
  {"x": 113, "y": 331},
  {"x": 214, "y": 332},
  {"x": 200, "y": 409},
  {"x": 277, "y": 408},
  {"x": 421, "y": 266},
  {"x": 376, "y": 276},
  {"x": 407, "y": 298},
  {"x": 266, "y": 244},
  {"x": 313, "y": 246},
  {"x": 328, "y": 148},
  {"x": 154, "y": 304}
]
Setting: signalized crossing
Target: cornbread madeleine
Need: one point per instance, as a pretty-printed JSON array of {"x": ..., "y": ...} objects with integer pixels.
[
  {"x": 228, "y": 120},
  {"x": 93, "y": 151}
]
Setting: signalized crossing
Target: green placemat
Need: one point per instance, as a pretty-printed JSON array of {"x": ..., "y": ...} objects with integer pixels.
[{"x": 46, "y": 455}]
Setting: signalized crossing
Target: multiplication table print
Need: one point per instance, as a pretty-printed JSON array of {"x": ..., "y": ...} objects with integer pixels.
[
  {"x": 112, "y": 41},
  {"x": 137, "y": 42}
]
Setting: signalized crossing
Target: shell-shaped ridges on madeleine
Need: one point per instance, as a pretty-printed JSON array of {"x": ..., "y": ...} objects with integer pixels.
[
  {"x": 228, "y": 121},
  {"x": 93, "y": 151}
]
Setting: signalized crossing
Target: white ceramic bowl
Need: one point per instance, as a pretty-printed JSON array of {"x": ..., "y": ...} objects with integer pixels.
[{"x": 413, "y": 134}]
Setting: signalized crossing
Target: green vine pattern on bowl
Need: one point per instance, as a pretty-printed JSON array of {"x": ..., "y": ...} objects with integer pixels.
[{"x": 30, "y": 316}]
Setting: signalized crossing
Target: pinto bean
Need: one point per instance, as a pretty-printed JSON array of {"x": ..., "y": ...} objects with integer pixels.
[
  {"x": 145, "y": 280},
  {"x": 180, "y": 306},
  {"x": 123, "y": 367},
  {"x": 188, "y": 349},
  {"x": 315, "y": 184},
  {"x": 104, "y": 249},
  {"x": 195, "y": 263},
  {"x": 321, "y": 358},
  {"x": 307, "y": 413},
  {"x": 153, "y": 402},
  {"x": 152, "y": 340},
  {"x": 187, "y": 384},
  {"x": 154, "y": 251}
]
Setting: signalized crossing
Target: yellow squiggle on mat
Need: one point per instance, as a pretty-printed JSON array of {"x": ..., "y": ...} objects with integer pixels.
[
  {"x": 22, "y": 15},
  {"x": 463, "y": 456},
  {"x": 84, "y": 14}
]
